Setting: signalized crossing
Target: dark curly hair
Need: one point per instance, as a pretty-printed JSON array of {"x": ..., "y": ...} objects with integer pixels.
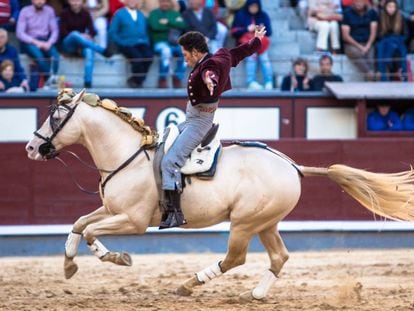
[{"x": 193, "y": 40}]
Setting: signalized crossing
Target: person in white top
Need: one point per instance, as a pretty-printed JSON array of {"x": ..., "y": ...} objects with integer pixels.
[{"x": 323, "y": 18}]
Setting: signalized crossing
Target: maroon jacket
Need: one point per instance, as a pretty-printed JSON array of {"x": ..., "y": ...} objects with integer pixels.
[
  {"x": 70, "y": 21},
  {"x": 219, "y": 64}
]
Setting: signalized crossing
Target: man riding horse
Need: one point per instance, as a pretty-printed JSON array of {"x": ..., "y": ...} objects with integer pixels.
[{"x": 209, "y": 78}]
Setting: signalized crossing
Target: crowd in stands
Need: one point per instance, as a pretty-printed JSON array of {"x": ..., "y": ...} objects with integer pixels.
[{"x": 376, "y": 35}]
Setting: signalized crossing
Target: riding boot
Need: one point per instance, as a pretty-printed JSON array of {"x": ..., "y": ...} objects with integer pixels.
[{"x": 172, "y": 215}]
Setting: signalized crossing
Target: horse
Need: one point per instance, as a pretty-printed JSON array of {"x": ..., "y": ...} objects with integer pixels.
[{"x": 254, "y": 188}]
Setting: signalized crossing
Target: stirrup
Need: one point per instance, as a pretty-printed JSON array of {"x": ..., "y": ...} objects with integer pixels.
[{"x": 173, "y": 219}]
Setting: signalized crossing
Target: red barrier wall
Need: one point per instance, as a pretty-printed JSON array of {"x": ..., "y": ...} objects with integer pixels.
[{"x": 42, "y": 192}]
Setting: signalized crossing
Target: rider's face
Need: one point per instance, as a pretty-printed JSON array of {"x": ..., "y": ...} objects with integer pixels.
[{"x": 191, "y": 58}]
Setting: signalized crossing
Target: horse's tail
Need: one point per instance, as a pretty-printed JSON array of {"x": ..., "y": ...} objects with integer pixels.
[{"x": 388, "y": 195}]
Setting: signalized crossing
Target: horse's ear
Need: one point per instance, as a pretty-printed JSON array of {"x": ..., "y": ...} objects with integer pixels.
[{"x": 78, "y": 97}]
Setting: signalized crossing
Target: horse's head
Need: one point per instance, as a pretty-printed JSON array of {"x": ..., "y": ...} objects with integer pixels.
[{"x": 58, "y": 130}]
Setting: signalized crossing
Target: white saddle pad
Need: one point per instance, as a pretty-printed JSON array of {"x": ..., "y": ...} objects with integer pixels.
[{"x": 200, "y": 160}]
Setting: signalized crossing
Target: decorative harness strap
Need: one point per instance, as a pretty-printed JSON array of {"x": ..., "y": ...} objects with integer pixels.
[{"x": 149, "y": 136}]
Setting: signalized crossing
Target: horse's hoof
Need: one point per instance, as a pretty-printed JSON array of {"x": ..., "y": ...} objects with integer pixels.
[
  {"x": 246, "y": 297},
  {"x": 70, "y": 268},
  {"x": 184, "y": 291},
  {"x": 124, "y": 259}
]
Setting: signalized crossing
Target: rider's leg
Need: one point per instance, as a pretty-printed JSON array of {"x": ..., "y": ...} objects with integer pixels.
[{"x": 196, "y": 126}]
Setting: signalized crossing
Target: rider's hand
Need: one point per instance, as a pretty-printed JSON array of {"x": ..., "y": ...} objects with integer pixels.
[
  {"x": 208, "y": 80},
  {"x": 260, "y": 32}
]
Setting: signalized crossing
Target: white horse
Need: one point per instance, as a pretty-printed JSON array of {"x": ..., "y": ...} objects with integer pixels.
[{"x": 253, "y": 188}]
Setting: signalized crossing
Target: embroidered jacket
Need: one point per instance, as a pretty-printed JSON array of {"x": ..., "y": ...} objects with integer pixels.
[{"x": 219, "y": 65}]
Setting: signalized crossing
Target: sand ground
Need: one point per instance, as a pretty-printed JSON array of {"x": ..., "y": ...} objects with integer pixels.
[{"x": 327, "y": 280}]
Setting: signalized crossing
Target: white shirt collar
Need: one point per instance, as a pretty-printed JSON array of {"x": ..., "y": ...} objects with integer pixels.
[{"x": 133, "y": 13}]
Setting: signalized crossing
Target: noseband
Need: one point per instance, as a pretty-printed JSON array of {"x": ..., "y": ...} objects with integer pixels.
[{"x": 47, "y": 149}]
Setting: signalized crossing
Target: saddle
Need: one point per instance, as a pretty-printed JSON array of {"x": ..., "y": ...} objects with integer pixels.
[{"x": 202, "y": 161}]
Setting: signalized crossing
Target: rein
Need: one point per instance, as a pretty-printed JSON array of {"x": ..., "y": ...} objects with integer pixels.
[{"x": 102, "y": 184}]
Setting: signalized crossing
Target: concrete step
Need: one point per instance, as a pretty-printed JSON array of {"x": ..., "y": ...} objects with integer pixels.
[{"x": 284, "y": 49}]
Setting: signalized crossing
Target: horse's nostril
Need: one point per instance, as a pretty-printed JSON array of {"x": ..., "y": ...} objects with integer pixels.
[{"x": 30, "y": 148}]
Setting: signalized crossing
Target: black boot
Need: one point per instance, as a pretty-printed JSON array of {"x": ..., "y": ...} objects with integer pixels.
[{"x": 172, "y": 215}]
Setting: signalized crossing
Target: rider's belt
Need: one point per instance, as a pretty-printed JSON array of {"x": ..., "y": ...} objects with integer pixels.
[{"x": 208, "y": 107}]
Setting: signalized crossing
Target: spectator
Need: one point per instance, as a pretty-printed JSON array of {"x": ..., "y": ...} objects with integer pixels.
[
  {"x": 219, "y": 10},
  {"x": 407, "y": 8},
  {"x": 391, "y": 43},
  {"x": 38, "y": 32},
  {"x": 408, "y": 119},
  {"x": 383, "y": 118},
  {"x": 76, "y": 34},
  {"x": 326, "y": 75},
  {"x": 201, "y": 19},
  {"x": 9, "y": 12},
  {"x": 166, "y": 25},
  {"x": 9, "y": 82},
  {"x": 99, "y": 9},
  {"x": 9, "y": 52},
  {"x": 359, "y": 30},
  {"x": 298, "y": 80},
  {"x": 232, "y": 6},
  {"x": 243, "y": 29},
  {"x": 323, "y": 18},
  {"x": 129, "y": 31}
]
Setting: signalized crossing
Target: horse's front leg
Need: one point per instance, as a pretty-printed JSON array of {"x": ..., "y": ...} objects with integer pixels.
[
  {"x": 114, "y": 225},
  {"x": 75, "y": 236}
]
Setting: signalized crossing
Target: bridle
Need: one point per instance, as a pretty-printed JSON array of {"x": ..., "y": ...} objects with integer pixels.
[{"x": 47, "y": 149}]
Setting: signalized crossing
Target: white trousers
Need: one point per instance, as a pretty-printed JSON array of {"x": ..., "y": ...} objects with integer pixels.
[
  {"x": 101, "y": 26},
  {"x": 325, "y": 30}
]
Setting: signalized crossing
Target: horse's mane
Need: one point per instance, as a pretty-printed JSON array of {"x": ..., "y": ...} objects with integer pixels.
[{"x": 149, "y": 135}]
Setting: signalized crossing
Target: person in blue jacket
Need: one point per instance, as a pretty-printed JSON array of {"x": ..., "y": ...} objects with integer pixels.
[
  {"x": 383, "y": 118},
  {"x": 408, "y": 119},
  {"x": 242, "y": 30}
]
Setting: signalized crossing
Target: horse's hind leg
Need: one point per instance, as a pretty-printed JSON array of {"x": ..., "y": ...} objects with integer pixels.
[
  {"x": 75, "y": 236},
  {"x": 278, "y": 255},
  {"x": 113, "y": 225},
  {"x": 236, "y": 256}
]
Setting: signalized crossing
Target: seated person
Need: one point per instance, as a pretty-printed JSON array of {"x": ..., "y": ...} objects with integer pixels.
[
  {"x": 163, "y": 23},
  {"x": 77, "y": 32},
  {"x": 199, "y": 18},
  {"x": 408, "y": 119},
  {"x": 298, "y": 80},
  {"x": 359, "y": 31},
  {"x": 9, "y": 11},
  {"x": 383, "y": 118},
  {"x": 38, "y": 32},
  {"x": 243, "y": 28},
  {"x": 323, "y": 18},
  {"x": 326, "y": 74},
  {"x": 9, "y": 52},
  {"x": 9, "y": 82},
  {"x": 392, "y": 35},
  {"x": 129, "y": 31},
  {"x": 407, "y": 10}
]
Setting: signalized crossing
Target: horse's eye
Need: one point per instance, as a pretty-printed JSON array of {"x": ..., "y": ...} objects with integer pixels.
[{"x": 55, "y": 117}]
